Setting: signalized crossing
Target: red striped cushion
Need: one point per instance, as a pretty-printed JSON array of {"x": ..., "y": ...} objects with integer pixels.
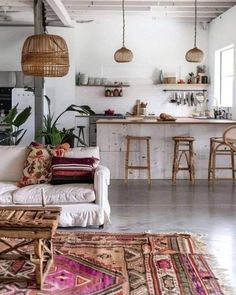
[{"x": 73, "y": 170}]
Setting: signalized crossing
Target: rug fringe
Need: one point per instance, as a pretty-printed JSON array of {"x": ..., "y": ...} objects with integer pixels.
[{"x": 220, "y": 274}]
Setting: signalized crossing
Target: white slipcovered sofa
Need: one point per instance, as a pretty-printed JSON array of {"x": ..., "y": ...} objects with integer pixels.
[{"x": 82, "y": 204}]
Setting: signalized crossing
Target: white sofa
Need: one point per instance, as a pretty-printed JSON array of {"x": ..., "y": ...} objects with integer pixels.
[{"x": 82, "y": 204}]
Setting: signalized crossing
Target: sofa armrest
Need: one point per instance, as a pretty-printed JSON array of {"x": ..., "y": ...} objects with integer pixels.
[{"x": 101, "y": 183}]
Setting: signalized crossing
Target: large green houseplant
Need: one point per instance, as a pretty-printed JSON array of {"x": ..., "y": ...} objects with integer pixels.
[
  {"x": 54, "y": 136},
  {"x": 14, "y": 120}
]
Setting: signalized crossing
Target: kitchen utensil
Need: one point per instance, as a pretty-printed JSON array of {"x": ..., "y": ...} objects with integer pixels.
[{"x": 192, "y": 99}]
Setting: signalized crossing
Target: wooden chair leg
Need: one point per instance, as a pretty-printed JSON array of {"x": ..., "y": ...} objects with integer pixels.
[
  {"x": 148, "y": 162},
  {"x": 175, "y": 162},
  {"x": 210, "y": 161},
  {"x": 191, "y": 162},
  {"x": 232, "y": 164},
  {"x": 127, "y": 160},
  {"x": 213, "y": 169}
]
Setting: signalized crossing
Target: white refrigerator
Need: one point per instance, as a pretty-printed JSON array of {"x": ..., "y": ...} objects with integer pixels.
[{"x": 24, "y": 99}]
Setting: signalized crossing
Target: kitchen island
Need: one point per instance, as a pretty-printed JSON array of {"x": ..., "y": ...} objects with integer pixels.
[{"x": 111, "y": 135}]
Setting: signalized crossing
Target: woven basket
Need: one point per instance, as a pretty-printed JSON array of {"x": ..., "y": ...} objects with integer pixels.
[
  {"x": 123, "y": 55},
  {"x": 45, "y": 55}
]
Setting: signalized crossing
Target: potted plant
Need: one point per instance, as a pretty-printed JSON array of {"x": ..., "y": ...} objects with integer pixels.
[
  {"x": 14, "y": 133},
  {"x": 54, "y": 136}
]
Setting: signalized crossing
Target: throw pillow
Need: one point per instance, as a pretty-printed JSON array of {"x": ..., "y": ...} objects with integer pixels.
[
  {"x": 37, "y": 167},
  {"x": 73, "y": 170}
]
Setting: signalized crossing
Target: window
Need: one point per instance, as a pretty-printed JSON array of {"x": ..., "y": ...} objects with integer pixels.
[{"x": 224, "y": 76}]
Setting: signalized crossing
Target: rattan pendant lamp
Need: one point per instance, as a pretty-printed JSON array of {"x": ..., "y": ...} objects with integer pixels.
[
  {"x": 123, "y": 54},
  {"x": 45, "y": 55},
  {"x": 195, "y": 54}
]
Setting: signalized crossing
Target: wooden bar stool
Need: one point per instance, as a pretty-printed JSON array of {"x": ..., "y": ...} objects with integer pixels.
[
  {"x": 183, "y": 147},
  {"x": 148, "y": 166},
  {"x": 219, "y": 148},
  {"x": 222, "y": 146}
]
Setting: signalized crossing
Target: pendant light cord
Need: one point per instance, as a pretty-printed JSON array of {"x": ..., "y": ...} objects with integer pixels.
[
  {"x": 195, "y": 26},
  {"x": 123, "y": 10},
  {"x": 44, "y": 18}
]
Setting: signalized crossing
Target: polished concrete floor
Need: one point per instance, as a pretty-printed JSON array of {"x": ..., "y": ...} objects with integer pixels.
[{"x": 200, "y": 208}]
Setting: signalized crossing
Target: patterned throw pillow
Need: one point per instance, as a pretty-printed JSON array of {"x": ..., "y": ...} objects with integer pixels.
[
  {"x": 37, "y": 167},
  {"x": 73, "y": 170}
]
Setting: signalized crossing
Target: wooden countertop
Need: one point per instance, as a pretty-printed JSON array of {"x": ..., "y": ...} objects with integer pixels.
[{"x": 179, "y": 120}]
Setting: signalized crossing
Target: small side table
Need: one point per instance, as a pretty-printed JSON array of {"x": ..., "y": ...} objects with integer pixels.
[{"x": 36, "y": 226}]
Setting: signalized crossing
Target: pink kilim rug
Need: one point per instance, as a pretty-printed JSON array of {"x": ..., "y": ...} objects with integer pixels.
[{"x": 119, "y": 264}]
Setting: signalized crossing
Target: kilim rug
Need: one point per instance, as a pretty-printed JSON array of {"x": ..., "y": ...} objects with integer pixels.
[{"x": 119, "y": 264}]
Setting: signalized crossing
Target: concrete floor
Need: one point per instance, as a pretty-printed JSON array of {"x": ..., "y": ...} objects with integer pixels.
[{"x": 200, "y": 208}]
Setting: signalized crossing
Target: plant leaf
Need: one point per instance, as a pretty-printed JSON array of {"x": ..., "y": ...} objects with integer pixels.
[
  {"x": 48, "y": 100},
  {"x": 19, "y": 139},
  {"x": 11, "y": 115},
  {"x": 22, "y": 117},
  {"x": 88, "y": 109}
]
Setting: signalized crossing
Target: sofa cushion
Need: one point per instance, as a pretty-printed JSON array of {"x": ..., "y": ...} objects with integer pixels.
[
  {"x": 83, "y": 152},
  {"x": 37, "y": 167},
  {"x": 6, "y": 190},
  {"x": 73, "y": 170},
  {"x": 12, "y": 162},
  {"x": 55, "y": 194}
]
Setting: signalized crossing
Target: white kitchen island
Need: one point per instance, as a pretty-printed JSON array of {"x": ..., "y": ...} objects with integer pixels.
[{"x": 111, "y": 140}]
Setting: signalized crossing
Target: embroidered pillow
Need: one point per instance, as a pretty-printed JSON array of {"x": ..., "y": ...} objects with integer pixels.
[
  {"x": 73, "y": 170},
  {"x": 37, "y": 167}
]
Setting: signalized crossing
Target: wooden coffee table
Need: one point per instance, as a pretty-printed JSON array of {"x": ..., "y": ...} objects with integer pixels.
[{"x": 35, "y": 226}]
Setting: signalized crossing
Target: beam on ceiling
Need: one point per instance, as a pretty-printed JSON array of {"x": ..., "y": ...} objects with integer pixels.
[
  {"x": 71, "y": 4},
  {"x": 143, "y": 8},
  {"x": 60, "y": 10},
  {"x": 158, "y": 8},
  {"x": 86, "y": 4}
]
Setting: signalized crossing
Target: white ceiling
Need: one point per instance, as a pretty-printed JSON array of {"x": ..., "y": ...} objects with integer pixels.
[{"x": 66, "y": 12}]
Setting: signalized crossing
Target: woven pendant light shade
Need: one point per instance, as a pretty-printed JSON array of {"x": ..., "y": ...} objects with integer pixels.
[
  {"x": 194, "y": 55},
  {"x": 123, "y": 55},
  {"x": 45, "y": 55}
]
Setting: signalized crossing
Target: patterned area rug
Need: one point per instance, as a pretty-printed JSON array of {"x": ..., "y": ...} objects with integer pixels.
[{"x": 119, "y": 264}]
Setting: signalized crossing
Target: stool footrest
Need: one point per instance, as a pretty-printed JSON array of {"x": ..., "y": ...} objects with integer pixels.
[
  {"x": 222, "y": 168},
  {"x": 138, "y": 167}
]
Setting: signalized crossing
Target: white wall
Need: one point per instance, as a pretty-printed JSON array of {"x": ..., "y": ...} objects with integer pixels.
[
  {"x": 156, "y": 45},
  {"x": 12, "y": 40},
  {"x": 222, "y": 34},
  {"x": 61, "y": 90}
]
